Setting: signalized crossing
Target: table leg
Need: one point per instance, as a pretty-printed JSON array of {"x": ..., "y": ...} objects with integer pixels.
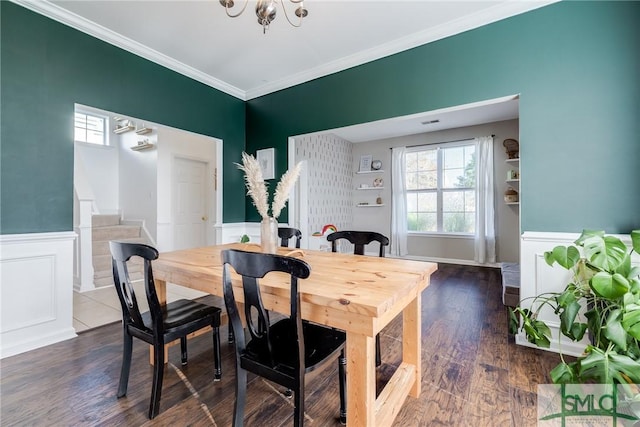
[
  {"x": 161, "y": 291},
  {"x": 412, "y": 341},
  {"x": 361, "y": 380}
]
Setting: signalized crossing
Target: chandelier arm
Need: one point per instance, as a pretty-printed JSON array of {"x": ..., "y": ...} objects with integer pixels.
[
  {"x": 284, "y": 9},
  {"x": 226, "y": 8}
]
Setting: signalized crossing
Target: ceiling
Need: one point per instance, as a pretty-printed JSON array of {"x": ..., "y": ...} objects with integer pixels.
[{"x": 197, "y": 39}]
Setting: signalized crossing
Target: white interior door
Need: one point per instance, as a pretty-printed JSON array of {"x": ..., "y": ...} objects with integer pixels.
[{"x": 190, "y": 203}]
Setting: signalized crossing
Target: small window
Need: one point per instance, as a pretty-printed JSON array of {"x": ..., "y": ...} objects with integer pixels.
[
  {"x": 90, "y": 128},
  {"x": 440, "y": 182}
]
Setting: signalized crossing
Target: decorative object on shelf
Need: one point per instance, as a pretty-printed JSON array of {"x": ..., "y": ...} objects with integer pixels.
[
  {"x": 365, "y": 163},
  {"x": 267, "y": 163},
  {"x": 244, "y": 239},
  {"x": 379, "y": 200},
  {"x": 511, "y": 195},
  {"x": 143, "y": 130},
  {"x": 378, "y": 182},
  {"x": 363, "y": 204},
  {"x": 606, "y": 284},
  {"x": 329, "y": 227},
  {"x": 257, "y": 190},
  {"x": 512, "y": 147},
  {"x": 513, "y": 174},
  {"x": 266, "y": 11},
  {"x": 145, "y": 144},
  {"x": 123, "y": 125},
  {"x": 376, "y": 165}
]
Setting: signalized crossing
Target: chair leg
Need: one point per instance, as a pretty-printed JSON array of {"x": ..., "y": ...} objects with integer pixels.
[
  {"x": 216, "y": 354},
  {"x": 241, "y": 396},
  {"x": 378, "y": 357},
  {"x": 158, "y": 372},
  {"x": 230, "y": 338},
  {"x": 298, "y": 409},
  {"x": 183, "y": 350},
  {"x": 126, "y": 364},
  {"x": 342, "y": 379}
]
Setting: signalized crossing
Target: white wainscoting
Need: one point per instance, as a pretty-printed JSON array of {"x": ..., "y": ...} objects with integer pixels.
[
  {"x": 537, "y": 277},
  {"x": 36, "y": 295}
]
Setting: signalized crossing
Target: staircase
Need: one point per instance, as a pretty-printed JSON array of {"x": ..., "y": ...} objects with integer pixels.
[{"x": 104, "y": 229}]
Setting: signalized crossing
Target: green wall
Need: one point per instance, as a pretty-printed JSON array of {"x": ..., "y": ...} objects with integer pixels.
[
  {"x": 45, "y": 68},
  {"x": 576, "y": 66}
]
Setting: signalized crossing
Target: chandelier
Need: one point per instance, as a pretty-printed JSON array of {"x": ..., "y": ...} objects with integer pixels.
[{"x": 266, "y": 11}]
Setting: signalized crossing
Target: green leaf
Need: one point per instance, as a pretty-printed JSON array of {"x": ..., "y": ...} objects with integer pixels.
[
  {"x": 514, "y": 322},
  {"x": 606, "y": 253},
  {"x": 609, "y": 286},
  {"x": 587, "y": 234},
  {"x": 537, "y": 332},
  {"x": 608, "y": 367},
  {"x": 568, "y": 317},
  {"x": 578, "y": 330},
  {"x": 614, "y": 330},
  {"x": 564, "y": 373},
  {"x": 635, "y": 240},
  {"x": 567, "y": 257},
  {"x": 631, "y": 320}
]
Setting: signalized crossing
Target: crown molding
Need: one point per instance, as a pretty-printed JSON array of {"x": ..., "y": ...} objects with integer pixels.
[
  {"x": 501, "y": 11},
  {"x": 487, "y": 16},
  {"x": 50, "y": 10}
]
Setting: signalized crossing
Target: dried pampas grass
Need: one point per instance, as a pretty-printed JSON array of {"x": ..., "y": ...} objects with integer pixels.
[{"x": 257, "y": 188}]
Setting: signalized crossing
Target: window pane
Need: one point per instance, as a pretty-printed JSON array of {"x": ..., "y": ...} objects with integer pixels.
[
  {"x": 427, "y": 202},
  {"x": 89, "y": 128},
  {"x": 412, "y": 181},
  {"x": 453, "y": 201},
  {"x": 412, "y": 202},
  {"x": 422, "y": 222},
  {"x": 453, "y": 157},
  {"x": 428, "y": 180},
  {"x": 412, "y": 162},
  {"x": 428, "y": 160},
  {"x": 453, "y": 178},
  {"x": 454, "y": 222}
]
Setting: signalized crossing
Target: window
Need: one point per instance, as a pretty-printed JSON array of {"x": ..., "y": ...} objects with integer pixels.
[
  {"x": 441, "y": 186},
  {"x": 90, "y": 128}
]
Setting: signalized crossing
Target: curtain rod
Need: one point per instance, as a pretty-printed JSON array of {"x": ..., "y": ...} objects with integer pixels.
[{"x": 442, "y": 142}]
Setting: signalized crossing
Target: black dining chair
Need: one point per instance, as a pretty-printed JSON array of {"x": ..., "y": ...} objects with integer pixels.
[
  {"x": 160, "y": 325},
  {"x": 282, "y": 352},
  {"x": 286, "y": 233},
  {"x": 360, "y": 239}
]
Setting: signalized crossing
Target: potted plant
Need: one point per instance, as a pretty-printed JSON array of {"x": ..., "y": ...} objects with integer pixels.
[{"x": 606, "y": 286}]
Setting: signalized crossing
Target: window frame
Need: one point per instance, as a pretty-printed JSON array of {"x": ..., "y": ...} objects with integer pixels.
[
  {"x": 439, "y": 190},
  {"x": 106, "y": 142}
]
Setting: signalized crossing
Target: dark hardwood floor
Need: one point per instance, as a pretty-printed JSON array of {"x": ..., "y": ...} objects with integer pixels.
[{"x": 473, "y": 373}]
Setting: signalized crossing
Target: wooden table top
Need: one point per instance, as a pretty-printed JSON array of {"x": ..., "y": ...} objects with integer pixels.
[{"x": 351, "y": 292}]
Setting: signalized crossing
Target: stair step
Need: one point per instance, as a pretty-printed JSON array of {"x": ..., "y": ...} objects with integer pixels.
[
  {"x": 113, "y": 232},
  {"x": 101, "y": 247},
  {"x": 105, "y": 220}
]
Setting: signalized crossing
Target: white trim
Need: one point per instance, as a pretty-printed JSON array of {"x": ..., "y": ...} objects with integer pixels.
[
  {"x": 496, "y": 13},
  {"x": 37, "y": 268}
]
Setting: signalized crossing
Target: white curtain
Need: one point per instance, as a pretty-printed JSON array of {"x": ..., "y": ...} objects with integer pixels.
[
  {"x": 398, "y": 202},
  {"x": 485, "y": 238}
]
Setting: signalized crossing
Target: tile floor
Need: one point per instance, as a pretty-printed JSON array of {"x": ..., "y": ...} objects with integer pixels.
[{"x": 101, "y": 306}]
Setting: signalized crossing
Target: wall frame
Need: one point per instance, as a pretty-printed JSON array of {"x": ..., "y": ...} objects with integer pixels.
[{"x": 266, "y": 159}]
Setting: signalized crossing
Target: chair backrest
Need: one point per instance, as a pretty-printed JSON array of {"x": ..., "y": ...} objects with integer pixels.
[
  {"x": 359, "y": 239},
  {"x": 286, "y": 233},
  {"x": 253, "y": 266},
  {"x": 121, "y": 253}
]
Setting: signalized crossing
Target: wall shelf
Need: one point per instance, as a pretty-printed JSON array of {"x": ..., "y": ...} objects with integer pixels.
[
  {"x": 370, "y": 206},
  {"x": 370, "y": 188},
  {"x": 141, "y": 147},
  {"x": 143, "y": 131},
  {"x": 123, "y": 129},
  {"x": 366, "y": 172}
]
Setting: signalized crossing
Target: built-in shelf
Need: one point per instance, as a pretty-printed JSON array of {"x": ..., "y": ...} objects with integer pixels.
[
  {"x": 370, "y": 188},
  {"x": 141, "y": 147},
  {"x": 373, "y": 205},
  {"x": 123, "y": 129},
  {"x": 513, "y": 181},
  {"x": 512, "y": 203},
  {"x": 365, "y": 172},
  {"x": 512, "y": 161}
]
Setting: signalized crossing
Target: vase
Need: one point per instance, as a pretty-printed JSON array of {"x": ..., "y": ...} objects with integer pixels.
[{"x": 269, "y": 235}]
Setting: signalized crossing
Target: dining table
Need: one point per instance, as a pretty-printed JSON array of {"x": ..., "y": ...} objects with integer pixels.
[{"x": 358, "y": 294}]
